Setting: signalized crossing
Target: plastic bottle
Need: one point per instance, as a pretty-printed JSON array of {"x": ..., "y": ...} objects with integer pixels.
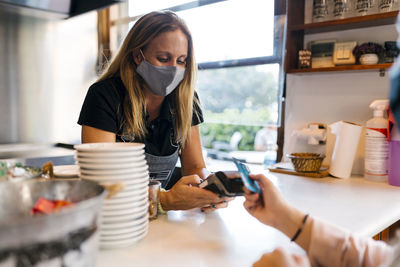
[
  {"x": 376, "y": 144},
  {"x": 394, "y": 157}
]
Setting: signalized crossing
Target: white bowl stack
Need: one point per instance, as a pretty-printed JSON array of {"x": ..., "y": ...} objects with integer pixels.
[{"x": 125, "y": 215}]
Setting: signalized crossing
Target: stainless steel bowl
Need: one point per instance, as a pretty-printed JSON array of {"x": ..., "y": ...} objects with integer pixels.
[{"x": 21, "y": 231}]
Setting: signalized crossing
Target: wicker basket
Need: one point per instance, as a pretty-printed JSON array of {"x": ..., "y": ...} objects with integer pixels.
[{"x": 306, "y": 162}]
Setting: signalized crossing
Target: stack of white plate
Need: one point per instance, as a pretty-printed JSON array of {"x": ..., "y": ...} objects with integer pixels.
[{"x": 125, "y": 215}]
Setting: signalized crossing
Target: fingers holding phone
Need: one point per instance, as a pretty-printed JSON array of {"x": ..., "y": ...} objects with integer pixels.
[
  {"x": 224, "y": 184},
  {"x": 186, "y": 195},
  {"x": 268, "y": 206},
  {"x": 244, "y": 172},
  {"x": 220, "y": 205},
  {"x": 231, "y": 183}
]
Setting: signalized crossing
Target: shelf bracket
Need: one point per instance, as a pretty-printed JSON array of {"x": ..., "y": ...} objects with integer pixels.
[{"x": 382, "y": 72}]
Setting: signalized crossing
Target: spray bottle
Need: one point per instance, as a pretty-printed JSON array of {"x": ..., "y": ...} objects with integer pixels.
[{"x": 376, "y": 144}]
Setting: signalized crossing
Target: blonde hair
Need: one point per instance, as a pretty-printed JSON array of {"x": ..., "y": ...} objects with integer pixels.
[{"x": 123, "y": 65}]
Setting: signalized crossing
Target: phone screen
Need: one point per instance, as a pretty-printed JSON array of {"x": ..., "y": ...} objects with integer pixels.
[{"x": 244, "y": 175}]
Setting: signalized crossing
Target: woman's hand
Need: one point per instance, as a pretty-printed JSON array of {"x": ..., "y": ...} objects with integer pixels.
[
  {"x": 281, "y": 258},
  {"x": 186, "y": 195},
  {"x": 272, "y": 209},
  {"x": 267, "y": 206}
]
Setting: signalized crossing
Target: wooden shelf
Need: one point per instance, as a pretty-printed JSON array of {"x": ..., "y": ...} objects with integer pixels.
[
  {"x": 297, "y": 29},
  {"x": 343, "y": 68},
  {"x": 346, "y": 24}
]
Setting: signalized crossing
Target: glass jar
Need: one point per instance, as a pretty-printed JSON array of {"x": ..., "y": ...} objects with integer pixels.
[
  {"x": 387, "y": 5},
  {"x": 343, "y": 9},
  {"x": 391, "y": 51},
  {"x": 366, "y": 7},
  {"x": 320, "y": 11}
]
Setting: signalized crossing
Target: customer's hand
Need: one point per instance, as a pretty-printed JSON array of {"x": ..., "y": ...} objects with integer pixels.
[
  {"x": 267, "y": 206},
  {"x": 281, "y": 258},
  {"x": 271, "y": 208},
  {"x": 186, "y": 195}
]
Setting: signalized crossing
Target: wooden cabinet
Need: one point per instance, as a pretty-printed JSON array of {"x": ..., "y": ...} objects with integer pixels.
[{"x": 296, "y": 29}]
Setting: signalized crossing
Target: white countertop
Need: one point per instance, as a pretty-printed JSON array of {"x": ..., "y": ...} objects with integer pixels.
[
  {"x": 228, "y": 237},
  {"x": 361, "y": 206},
  {"x": 231, "y": 237}
]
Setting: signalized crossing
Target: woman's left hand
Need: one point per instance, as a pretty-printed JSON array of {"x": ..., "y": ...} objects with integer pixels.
[
  {"x": 185, "y": 195},
  {"x": 222, "y": 204},
  {"x": 281, "y": 258}
]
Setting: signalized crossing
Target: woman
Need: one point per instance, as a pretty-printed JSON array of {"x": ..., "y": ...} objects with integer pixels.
[
  {"x": 325, "y": 244},
  {"x": 147, "y": 95}
]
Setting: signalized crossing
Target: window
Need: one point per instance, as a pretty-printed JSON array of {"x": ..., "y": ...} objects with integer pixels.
[
  {"x": 238, "y": 48},
  {"x": 240, "y": 95},
  {"x": 231, "y": 30},
  {"x": 138, "y": 7}
]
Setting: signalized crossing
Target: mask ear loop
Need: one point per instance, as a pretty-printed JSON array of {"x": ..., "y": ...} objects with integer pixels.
[{"x": 141, "y": 52}]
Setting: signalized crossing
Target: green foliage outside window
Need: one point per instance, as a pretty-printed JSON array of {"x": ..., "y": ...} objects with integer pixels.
[
  {"x": 247, "y": 116},
  {"x": 211, "y": 132},
  {"x": 237, "y": 89},
  {"x": 241, "y": 99}
]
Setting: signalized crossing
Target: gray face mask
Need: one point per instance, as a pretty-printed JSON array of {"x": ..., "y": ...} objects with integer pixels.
[{"x": 162, "y": 80}]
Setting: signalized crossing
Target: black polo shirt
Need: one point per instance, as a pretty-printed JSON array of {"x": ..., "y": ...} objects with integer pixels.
[{"x": 103, "y": 109}]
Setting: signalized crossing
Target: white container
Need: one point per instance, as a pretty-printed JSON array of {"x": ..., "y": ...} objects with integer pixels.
[
  {"x": 376, "y": 144},
  {"x": 344, "y": 151},
  {"x": 369, "y": 59}
]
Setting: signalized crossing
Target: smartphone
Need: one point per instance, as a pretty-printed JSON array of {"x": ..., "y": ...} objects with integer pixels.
[
  {"x": 220, "y": 184},
  {"x": 244, "y": 175}
]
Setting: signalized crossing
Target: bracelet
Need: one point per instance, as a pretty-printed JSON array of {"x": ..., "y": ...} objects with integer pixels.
[
  {"x": 300, "y": 229},
  {"x": 159, "y": 206}
]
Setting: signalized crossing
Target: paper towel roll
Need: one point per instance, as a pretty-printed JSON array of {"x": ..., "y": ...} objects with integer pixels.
[{"x": 344, "y": 151}]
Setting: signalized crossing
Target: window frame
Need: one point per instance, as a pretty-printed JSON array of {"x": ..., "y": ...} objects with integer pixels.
[{"x": 276, "y": 58}]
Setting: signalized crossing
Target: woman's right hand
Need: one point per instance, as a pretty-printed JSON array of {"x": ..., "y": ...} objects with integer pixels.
[
  {"x": 186, "y": 195},
  {"x": 272, "y": 209},
  {"x": 268, "y": 205}
]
